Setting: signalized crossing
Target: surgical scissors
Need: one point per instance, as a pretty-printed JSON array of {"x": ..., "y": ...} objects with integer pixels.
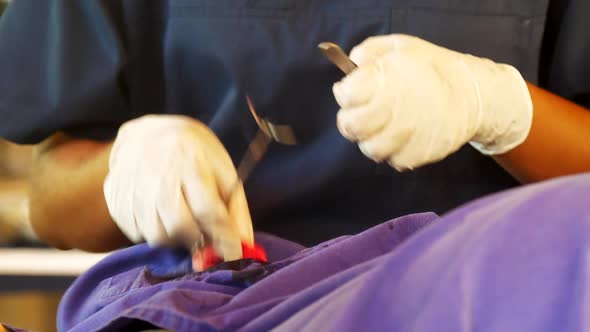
[
  {"x": 267, "y": 133},
  {"x": 282, "y": 134},
  {"x": 335, "y": 54}
]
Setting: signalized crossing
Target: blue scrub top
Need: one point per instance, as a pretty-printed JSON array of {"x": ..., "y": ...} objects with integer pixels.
[{"x": 85, "y": 67}]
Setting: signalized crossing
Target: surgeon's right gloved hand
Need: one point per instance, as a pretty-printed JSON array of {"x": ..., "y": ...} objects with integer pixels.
[
  {"x": 412, "y": 103},
  {"x": 172, "y": 183}
]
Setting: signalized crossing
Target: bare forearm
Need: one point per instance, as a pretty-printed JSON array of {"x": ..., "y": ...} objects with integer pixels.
[
  {"x": 15, "y": 160},
  {"x": 67, "y": 205},
  {"x": 558, "y": 144}
]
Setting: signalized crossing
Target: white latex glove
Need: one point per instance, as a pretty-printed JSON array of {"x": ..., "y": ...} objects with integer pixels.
[
  {"x": 412, "y": 103},
  {"x": 171, "y": 182}
]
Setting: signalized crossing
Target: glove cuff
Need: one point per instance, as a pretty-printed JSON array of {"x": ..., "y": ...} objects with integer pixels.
[{"x": 506, "y": 106}]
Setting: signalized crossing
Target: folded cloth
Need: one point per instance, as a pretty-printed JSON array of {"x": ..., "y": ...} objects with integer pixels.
[
  {"x": 513, "y": 261},
  {"x": 142, "y": 284}
]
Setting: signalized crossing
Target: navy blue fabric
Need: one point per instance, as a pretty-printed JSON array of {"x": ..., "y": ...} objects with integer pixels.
[
  {"x": 85, "y": 67},
  {"x": 566, "y": 56}
]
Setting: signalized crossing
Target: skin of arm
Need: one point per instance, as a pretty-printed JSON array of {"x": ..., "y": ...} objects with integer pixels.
[
  {"x": 67, "y": 204},
  {"x": 15, "y": 160},
  {"x": 558, "y": 143}
]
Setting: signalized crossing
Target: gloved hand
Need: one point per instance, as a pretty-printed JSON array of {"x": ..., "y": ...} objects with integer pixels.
[
  {"x": 412, "y": 103},
  {"x": 171, "y": 182}
]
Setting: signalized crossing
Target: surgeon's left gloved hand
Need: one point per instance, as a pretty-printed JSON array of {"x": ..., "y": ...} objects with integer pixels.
[
  {"x": 171, "y": 182},
  {"x": 412, "y": 103}
]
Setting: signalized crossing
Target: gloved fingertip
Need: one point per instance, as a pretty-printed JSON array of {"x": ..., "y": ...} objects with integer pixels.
[
  {"x": 205, "y": 258},
  {"x": 239, "y": 214},
  {"x": 343, "y": 128},
  {"x": 197, "y": 262},
  {"x": 337, "y": 91},
  {"x": 370, "y": 153},
  {"x": 399, "y": 167},
  {"x": 227, "y": 246},
  {"x": 358, "y": 88}
]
